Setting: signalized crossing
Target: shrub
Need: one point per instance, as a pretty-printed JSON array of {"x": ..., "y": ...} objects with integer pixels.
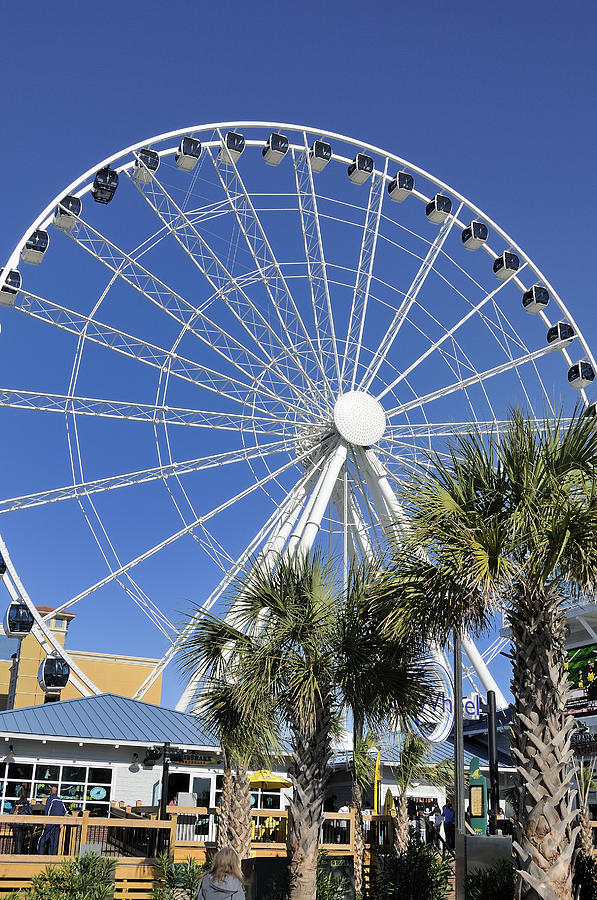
[
  {"x": 417, "y": 872},
  {"x": 176, "y": 881},
  {"x": 90, "y": 877},
  {"x": 330, "y": 885},
  {"x": 492, "y": 882},
  {"x": 585, "y": 877}
]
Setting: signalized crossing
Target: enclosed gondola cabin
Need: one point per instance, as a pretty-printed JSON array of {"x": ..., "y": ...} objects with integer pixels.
[
  {"x": 231, "y": 148},
  {"x": 147, "y": 162},
  {"x": 2, "y": 566},
  {"x": 35, "y": 247},
  {"x": 561, "y": 331},
  {"x": 360, "y": 169},
  {"x": 581, "y": 375},
  {"x": 535, "y": 299},
  {"x": 275, "y": 150},
  {"x": 401, "y": 186},
  {"x": 319, "y": 155},
  {"x": 438, "y": 209},
  {"x": 18, "y": 620},
  {"x": 67, "y": 212},
  {"x": 53, "y": 674},
  {"x": 188, "y": 153},
  {"x": 506, "y": 265},
  {"x": 474, "y": 235},
  {"x": 104, "y": 185},
  {"x": 10, "y": 288},
  {"x": 591, "y": 411}
]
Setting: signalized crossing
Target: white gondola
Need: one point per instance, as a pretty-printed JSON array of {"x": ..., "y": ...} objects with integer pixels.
[
  {"x": 506, "y": 265},
  {"x": 231, "y": 148},
  {"x": 10, "y": 288},
  {"x": 53, "y": 674},
  {"x": 67, "y": 213},
  {"x": 188, "y": 153},
  {"x": 360, "y": 169},
  {"x": 147, "y": 161},
  {"x": 18, "y": 620},
  {"x": 535, "y": 299},
  {"x": 438, "y": 209},
  {"x": 2, "y": 566},
  {"x": 104, "y": 185},
  {"x": 474, "y": 235},
  {"x": 401, "y": 186},
  {"x": 275, "y": 150},
  {"x": 319, "y": 155},
  {"x": 591, "y": 411},
  {"x": 561, "y": 331},
  {"x": 581, "y": 374},
  {"x": 35, "y": 247}
]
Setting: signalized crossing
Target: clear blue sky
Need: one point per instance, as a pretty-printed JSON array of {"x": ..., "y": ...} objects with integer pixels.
[{"x": 498, "y": 101}]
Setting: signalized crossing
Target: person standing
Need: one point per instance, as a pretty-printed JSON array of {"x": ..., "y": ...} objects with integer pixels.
[
  {"x": 48, "y": 842},
  {"x": 22, "y": 808},
  {"x": 436, "y": 818},
  {"x": 224, "y": 881},
  {"x": 449, "y": 824}
]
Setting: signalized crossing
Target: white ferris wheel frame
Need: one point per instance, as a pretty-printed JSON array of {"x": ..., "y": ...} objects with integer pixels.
[{"x": 294, "y": 526}]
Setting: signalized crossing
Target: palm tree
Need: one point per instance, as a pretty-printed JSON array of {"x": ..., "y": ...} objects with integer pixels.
[
  {"x": 513, "y": 520},
  {"x": 413, "y": 765},
  {"x": 282, "y": 654},
  {"x": 585, "y": 782}
]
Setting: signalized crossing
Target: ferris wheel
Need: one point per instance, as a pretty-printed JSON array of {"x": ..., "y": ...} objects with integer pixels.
[{"x": 252, "y": 333}]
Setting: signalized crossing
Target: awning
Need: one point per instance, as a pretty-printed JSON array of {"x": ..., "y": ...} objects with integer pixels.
[{"x": 266, "y": 780}]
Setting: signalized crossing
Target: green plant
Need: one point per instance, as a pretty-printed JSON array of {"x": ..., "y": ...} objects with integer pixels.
[
  {"x": 492, "y": 882},
  {"x": 585, "y": 877},
  {"x": 90, "y": 877},
  {"x": 330, "y": 885},
  {"x": 176, "y": 881},
  {"x": 418, "y": 872}
]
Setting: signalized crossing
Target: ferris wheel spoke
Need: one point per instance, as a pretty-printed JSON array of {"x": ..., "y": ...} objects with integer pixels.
[
  {"x": 267, "y": 264},
  {"x": 316, "y": 265},
  {"x": 193, "y": 318},
  {"x": 449, "y": 333},
  {"x": 226, "y": 286},
  {"x": 429, "y": 430},
  {"x": 362, "y": 285},
  {"x": 140, "y": 412},
  {"x": 97, "y": 332},
  {"x": 73, "y": 491},
  {"x": 271, "y": 476},
  {"x": 479, "y": 377},
  {"x": 409, "y": 298}
]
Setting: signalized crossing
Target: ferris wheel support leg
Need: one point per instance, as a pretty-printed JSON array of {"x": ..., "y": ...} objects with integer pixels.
[{"x": 313, "y": 523}]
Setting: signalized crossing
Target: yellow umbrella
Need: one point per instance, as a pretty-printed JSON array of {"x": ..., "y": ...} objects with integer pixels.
[
  {"x": 388, "y": 805},
  {"x": 267, "y": 781}
]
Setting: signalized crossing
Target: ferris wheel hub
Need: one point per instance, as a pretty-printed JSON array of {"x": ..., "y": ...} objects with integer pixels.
[{"x": 359, "y": 418}]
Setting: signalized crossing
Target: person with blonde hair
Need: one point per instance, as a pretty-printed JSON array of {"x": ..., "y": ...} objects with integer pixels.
[{"x": 224, "y": 881}]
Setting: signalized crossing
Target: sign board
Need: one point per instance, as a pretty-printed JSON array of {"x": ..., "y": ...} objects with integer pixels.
[
  {"x": 477, "y": 798},
  {"x": 581, "y": 665}
]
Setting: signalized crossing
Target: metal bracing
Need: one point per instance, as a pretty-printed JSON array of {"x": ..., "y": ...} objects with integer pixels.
[
  {"x": 409, "y": 298},
  {"x": 362, "y": 285},
  {"x": 323, "y": 317}
]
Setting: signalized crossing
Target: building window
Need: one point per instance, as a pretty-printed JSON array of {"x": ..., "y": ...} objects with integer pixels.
[{"x": 81, "y": 787}]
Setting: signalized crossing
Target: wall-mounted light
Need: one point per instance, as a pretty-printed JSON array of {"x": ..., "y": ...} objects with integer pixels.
[{"x": 135, "y": 759}]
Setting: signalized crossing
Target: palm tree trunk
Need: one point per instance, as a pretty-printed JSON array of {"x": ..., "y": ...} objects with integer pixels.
[
  {"x": 308, "y": 772},
  {"x": 358, "y": 837},
  {"x": 239, "y": 823},
  {"x": 586, "y": 832},
  {"x": 546, "y": 832},
  {"x": 401, "y": 833},
  {"x": 223, "y": 838}
]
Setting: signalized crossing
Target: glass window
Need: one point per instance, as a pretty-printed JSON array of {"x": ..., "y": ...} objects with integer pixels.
[
  {"x": 97, "y": 809},
  {"x": 41, "y": 790},
  {"x": 13, "y": 788},
  {"x": 98, "y": 792},
  {"x": 270, "y": 800},
  {"x": 202, "y": 787},
  {"x": 100, "y": 776},
  {"x": 47, "y": 773},
  {"x": 20, "y": 770},
  {"x": 72, "y": 791},
  {"x": 74, "y": 807},
  {"x": 73, "y": 773}
]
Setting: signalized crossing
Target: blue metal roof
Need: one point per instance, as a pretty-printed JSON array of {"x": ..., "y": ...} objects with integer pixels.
[{"x": 106, "y": 717}]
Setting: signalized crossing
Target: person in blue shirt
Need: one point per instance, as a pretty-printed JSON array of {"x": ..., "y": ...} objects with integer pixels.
[
  {"x": 48, "y": 842},
  {"x": 449, "y": 824}
]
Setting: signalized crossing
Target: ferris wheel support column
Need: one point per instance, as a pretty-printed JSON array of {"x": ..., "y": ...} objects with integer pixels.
[
  {"x": 313, "y": 523},
  {"x": 380, "y": 481}
]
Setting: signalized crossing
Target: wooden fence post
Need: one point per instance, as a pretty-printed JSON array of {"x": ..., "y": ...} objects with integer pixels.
[{"x": 84, "y": 826}]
